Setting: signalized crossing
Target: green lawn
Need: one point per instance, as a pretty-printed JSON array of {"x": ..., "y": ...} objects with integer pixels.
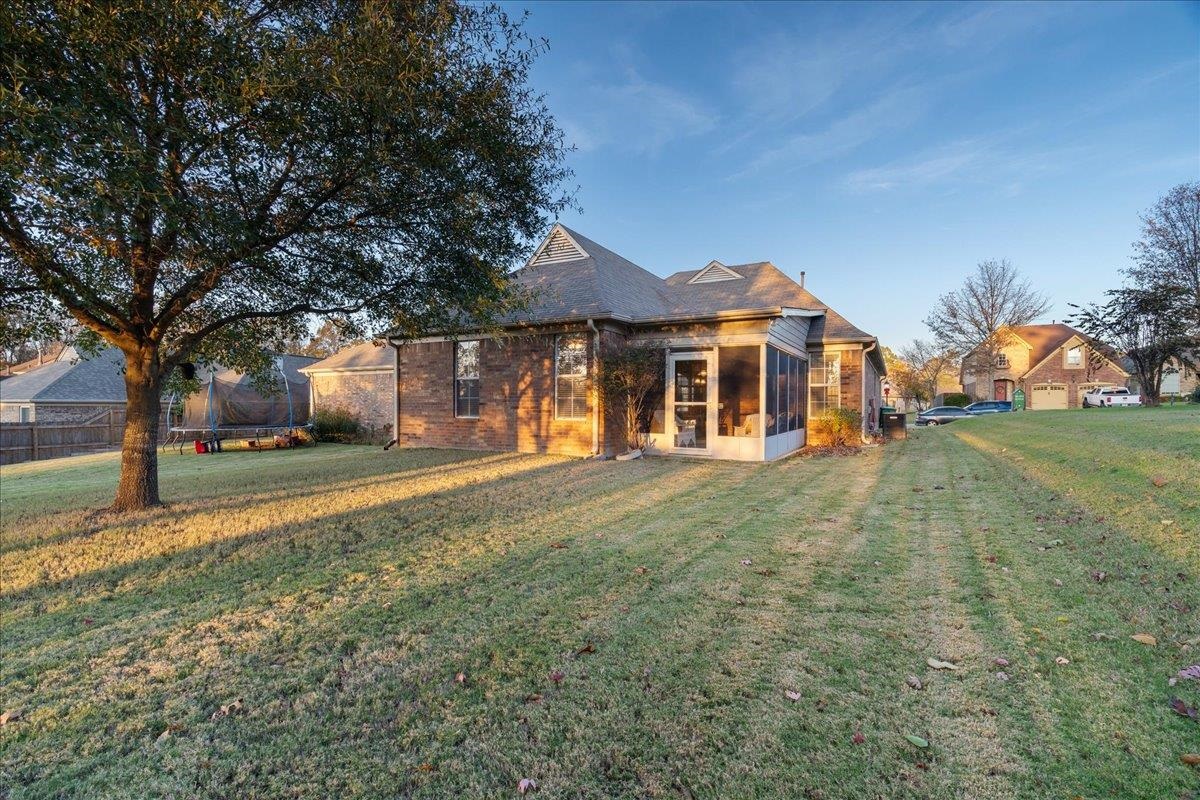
[{"x": 611, "y": 641}]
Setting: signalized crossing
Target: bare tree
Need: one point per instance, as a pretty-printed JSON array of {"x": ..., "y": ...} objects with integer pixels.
[
  {"x": 976, "y": 318},
  {"x": 1169, "y": 251},
  {"x": 927, "y": 363}
]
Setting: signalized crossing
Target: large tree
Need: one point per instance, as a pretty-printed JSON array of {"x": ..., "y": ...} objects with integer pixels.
[
  {"x": 1149, "y": 325},
  {"x": 188, "y": 179},
  {"x": 928, "y": 364},
  {"x": 976, "y": 318},
  {"x": 1168, "y": 252}
]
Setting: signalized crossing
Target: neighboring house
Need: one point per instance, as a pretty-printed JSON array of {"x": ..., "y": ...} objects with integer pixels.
[
  {"x": 1180, "y": 382},
  {"x": 360, "y": 380},
  {"x": 1054, "y": 365},
  {"x": 51, "y": 353},
  {"x": 74, "y": 388},
  {"x": 749, "y": 355}
]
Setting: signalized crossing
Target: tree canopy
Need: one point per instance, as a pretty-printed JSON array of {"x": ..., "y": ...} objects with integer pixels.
[{"x": 188, "y": 179}]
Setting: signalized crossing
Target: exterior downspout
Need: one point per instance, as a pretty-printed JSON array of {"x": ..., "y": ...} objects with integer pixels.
[
  {"x": 591, "y": 323},
  {"x": 865, "y": 351}
]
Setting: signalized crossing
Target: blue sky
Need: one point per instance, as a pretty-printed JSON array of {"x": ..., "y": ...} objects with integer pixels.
[{"x": 884, "y": 149}]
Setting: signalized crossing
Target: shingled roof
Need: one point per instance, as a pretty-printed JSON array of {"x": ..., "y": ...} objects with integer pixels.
[
  {"x": 570, "y": 277},
  {"x": 1045, "y": 339},
  {"x": 362, "y": 357},
  {"x": 73, "y": 377}
]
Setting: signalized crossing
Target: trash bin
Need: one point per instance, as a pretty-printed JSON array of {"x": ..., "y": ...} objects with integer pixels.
[{"x": 895, "y": 426}]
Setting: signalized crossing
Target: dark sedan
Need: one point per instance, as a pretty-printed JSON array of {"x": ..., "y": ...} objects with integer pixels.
[
  {"x": 942, "y": 415},
  {"x": 989, "y": 407}
]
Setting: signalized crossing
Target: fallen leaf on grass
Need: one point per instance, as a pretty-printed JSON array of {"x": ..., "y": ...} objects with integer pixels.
[
  {"x": 425, "y": 767},
  {"x": 169, "y": 731},
  {"x": 1099, "y": 577},
  {"x": 229, "y": 709},
  {"x": 936, "y": 664},
  {"x": 526, "y": 785},
  {"x": 1001, "y": 661},
  {"x": 460, "y": 678},
  {"x": 858, "y": 737},
  {"x": 1183, "y": 709},
  {"x": 916, "y": 741},
  {"x": 792, "y": 695},
  {"x": 12, "y": 715},
  {"x": 640, "y": 570},
  {"x": 1159, "y": 481},
  {"x": 746, "y": 562},
  {"x": 1144, "y": 638},
  {"x": 1062, "y": 662},
  {"x": 557, "y": 676},
  {"x": 1191, "y": 759},
  {"x": 587, "y": 648},
  {"x": 1001, "y": 676},
  {"x": 1103, "y": 637},
  {"x": 559, "y": 545},
  {"x": 533, "y": 698},
  {"x": 914, "y": 682},
  {"x": 1190, "y": 673}
]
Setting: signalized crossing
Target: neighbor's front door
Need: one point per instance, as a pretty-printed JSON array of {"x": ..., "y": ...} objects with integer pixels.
[{"x": 689, "y": 401}]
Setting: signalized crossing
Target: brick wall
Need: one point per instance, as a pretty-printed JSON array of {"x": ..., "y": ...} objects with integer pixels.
[
  {"x": 516, "y": 406},
  {"x": 1054, "y": 370},
  {"x": 368, "y": 396}
]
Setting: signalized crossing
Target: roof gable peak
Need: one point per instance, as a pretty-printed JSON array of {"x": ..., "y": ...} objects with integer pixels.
[
  {"x": 715, "y": 272},
  {"x": 558, "y": 247}
]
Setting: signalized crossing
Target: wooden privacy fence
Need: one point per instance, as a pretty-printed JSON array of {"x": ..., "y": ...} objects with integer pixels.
[{"x": 33, "y": 441}]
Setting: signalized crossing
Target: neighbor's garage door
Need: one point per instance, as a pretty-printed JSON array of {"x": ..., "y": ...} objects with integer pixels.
[{"x": 1049, "y": 396}]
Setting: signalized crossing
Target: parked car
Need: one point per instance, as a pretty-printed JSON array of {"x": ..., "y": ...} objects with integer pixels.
[
  {"x": 989, "y": 407},
  {"x": 1108, "y": 396},
  {"x": 942, "y": 415}
]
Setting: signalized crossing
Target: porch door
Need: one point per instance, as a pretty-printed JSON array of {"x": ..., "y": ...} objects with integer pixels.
[
  {"x": 1001, "y": 390},
  {"x": 690, "y": 406}
]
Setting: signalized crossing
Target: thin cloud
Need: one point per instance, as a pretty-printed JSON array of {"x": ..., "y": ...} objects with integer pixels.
[
  {"x": 635, "y": 115},
  {"x": 971, "y": 161},
  {"x": 894, "y": 110}
]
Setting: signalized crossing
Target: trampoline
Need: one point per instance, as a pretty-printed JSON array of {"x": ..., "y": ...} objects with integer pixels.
[{"x": 228, "y": 406}]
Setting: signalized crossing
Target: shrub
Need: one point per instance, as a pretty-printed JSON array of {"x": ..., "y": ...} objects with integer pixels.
[
  {"x": 1196, "y": 394},
  {"x": 336, "y": 425},
  {"x": 835, "y": 427},
  {"x": 957, "y": 399},
  {"x": 630, "y": 382}
]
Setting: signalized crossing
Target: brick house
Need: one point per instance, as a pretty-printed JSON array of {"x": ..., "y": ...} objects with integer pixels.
[
  {"x": 749, "y": 355},
  {"x": 1054, "y": 365},
  {"x": 72, "y": 389},
  {"x": 361, "y": 381}
]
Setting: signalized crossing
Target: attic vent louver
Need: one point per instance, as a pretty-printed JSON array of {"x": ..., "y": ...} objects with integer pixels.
[
  {"x": 557, "y": 248},
  {"x": 714, "y": 272}
]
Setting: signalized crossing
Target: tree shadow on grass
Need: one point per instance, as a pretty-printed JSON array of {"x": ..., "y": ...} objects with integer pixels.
[{"x": 82, "y": 523}]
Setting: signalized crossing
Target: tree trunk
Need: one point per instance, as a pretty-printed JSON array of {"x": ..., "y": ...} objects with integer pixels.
[{"x": 138, "y": 486}]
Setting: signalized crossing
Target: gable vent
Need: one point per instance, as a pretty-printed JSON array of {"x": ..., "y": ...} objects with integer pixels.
[
  {"x": 714, "y": 272},
  {"x": 557, "y": 248}
]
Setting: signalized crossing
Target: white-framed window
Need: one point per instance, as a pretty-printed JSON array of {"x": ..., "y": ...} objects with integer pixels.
[
  {"x": 26, "y": 414},
  {"x": 1002, "y": 361},
  {"x": 1075, "y": 356},
  {"x": 824, "y": 382},
  {"x": 570, "y": 376},
  {"x": 466, "y": 379}
]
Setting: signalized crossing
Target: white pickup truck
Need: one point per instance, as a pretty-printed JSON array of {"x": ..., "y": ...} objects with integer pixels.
[{"x": 1107, "y": 396}]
